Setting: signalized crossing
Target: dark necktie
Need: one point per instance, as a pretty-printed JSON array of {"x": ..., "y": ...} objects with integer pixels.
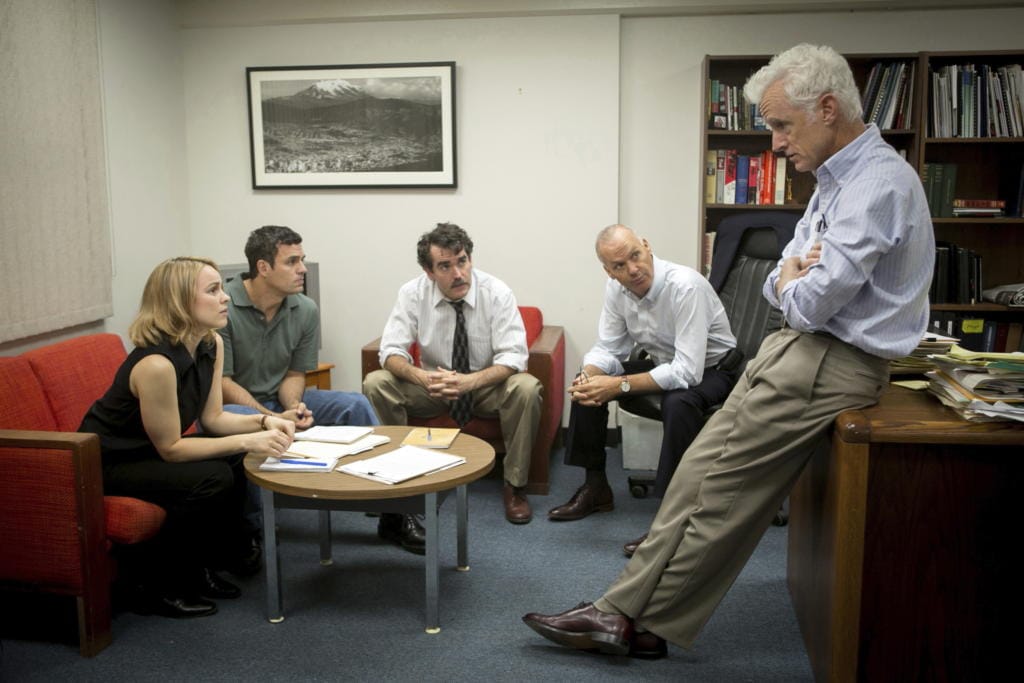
[{"x": 461, "y": 408}]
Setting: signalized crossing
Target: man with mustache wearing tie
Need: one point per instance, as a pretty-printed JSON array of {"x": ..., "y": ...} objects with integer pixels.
[{"x": 473, "y": 353}]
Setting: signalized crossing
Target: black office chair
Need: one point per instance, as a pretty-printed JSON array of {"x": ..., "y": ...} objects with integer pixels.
[{"x": 747, "y": 247}]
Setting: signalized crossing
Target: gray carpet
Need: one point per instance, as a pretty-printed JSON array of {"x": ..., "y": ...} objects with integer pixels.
[{"x": 363, "y": 616}]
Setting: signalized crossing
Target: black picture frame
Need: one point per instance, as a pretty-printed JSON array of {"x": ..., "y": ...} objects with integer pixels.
[{"x": 352, "y": 126}]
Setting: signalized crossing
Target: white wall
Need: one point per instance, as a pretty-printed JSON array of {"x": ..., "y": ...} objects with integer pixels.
[
  {"x": 537, "y": 134},
  {"x": 661, "y": 171}
]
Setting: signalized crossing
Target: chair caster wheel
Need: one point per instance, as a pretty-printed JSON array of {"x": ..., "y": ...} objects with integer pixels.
[{"x": 638, "y": 490}]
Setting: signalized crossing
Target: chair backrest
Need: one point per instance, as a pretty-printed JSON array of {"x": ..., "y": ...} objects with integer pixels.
[{"x": 747, "y": 248}]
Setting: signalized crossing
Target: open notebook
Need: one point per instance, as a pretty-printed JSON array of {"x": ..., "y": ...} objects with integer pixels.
[
  {"x": 401, "y": 464},
  {"x": 319, "y": 456}
]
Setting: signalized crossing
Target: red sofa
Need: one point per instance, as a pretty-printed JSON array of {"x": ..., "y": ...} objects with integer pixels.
[
  {"x": 56, "y": 526},
  {"x": 546, "y": 363}
]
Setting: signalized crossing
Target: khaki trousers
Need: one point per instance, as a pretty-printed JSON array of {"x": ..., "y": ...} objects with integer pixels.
[
  {"x": 735, "y": 475},
  {"x": 516, "y": 402}
]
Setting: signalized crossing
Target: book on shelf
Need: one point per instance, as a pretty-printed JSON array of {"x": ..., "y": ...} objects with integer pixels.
[
  {"x": 729, "y": 193},
  {"x": 753, "y": 179},
  {"x": 960, "y": 212},
  {"x": 979, "y": 203},
  {"x": 720, "y": 176},
  {"x": 742, "y": 178},
  {"x": 710, "y": 166},
  {"x": 781, "y": 189}
]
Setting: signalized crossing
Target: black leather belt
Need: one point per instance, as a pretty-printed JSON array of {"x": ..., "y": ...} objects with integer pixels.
[{"x": 731, "y": 362}]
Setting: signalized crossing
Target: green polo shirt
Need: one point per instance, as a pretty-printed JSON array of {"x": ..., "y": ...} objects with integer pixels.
[{"x": 257, "y": 354}]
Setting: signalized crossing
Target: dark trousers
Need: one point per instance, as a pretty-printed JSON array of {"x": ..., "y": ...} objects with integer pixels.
[
  {"x": 682, "y": 414},
  {"x": 204, "y": 501}
]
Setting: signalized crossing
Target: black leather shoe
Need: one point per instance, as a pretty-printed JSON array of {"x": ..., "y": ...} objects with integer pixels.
[
  {"x": 631, "y": 547},
  {"x": 585, "y": 628},
  {"x": 250, "y": 561},
  {"x": 213, "y": 587},
  {"x": 175, "y": 607},
  {"x": 405, "y": 530},
  {"x": 587, "y": 499}
]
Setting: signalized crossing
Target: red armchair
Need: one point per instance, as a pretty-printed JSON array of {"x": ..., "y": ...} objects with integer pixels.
[
  {"x": 56, "y": 527},
  {"x": 546, "y": 363}
]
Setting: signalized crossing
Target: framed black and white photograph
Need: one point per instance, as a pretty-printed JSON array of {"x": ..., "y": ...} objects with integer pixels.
[{"x": 357, "y": 126}]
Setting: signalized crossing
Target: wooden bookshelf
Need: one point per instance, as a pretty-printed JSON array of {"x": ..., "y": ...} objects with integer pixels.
[{"x": 988, "y": 167}]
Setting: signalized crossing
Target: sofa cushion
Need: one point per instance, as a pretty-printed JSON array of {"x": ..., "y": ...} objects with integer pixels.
[
  {"x": 76, "y": 372},
  {"x": 130, "y": 520},
  {"x": 23, "y": 403}
]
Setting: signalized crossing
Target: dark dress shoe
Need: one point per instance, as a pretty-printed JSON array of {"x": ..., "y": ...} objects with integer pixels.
[
  {"x": 517, "y": 507},
  {"x": 646, "y": 645},
  {"x": 174, "y": 606},
  {"x": 631, "y": 547},
  {"x": 587, "y": 499},
  {"x": 212, "y": 587},
  {"x": 249, "y": 561},
  {"x": 405, "y": 530},
  {"x": 585, "y": 628}
]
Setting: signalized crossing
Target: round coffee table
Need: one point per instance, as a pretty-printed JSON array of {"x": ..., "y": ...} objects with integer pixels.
[{"x": 338, "y": 491}]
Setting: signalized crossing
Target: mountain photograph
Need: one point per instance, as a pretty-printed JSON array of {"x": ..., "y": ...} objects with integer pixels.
[{"x": 354, "y": 125}]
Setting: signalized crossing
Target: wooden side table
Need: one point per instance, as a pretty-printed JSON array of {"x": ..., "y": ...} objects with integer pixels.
[{"x": 900, "y": 545}]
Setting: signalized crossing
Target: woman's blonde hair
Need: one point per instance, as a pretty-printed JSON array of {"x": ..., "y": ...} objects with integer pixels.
[{"x": 166, "y": 308}]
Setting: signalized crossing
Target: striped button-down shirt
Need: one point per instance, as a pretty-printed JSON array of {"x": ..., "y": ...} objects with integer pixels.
[
  {"x": 493, "y": 324},
  {"x": 870, "y": 287}
]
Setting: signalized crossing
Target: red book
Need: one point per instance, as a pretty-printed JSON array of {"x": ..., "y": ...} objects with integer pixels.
[
  {"x": 753, "y": 180},
  {"x": 729, "y": 196},
  {"x": 979, "y": 203}
]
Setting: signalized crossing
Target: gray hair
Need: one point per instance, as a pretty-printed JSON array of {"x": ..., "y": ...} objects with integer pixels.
[{"x": 807, "y": 72}]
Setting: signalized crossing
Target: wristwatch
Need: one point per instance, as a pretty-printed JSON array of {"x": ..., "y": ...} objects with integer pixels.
[{"x": 624, "y": 387}]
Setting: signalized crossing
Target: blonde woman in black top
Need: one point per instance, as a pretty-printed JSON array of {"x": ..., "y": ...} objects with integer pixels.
[{"x": 168, "y": 382}]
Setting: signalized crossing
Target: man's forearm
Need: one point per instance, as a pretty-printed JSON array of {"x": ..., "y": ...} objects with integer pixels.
[
  {"x": 293, "y": 386},
  {"x": 491, "y": 376}
]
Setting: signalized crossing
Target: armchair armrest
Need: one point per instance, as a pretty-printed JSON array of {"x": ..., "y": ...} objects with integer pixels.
[
  {"x": 371, "y": 357},
  {"x": 547, "y": 363},
  {"x": 52, "y": 517}
]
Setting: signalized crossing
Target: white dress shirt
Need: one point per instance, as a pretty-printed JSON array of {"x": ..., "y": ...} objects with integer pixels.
[
  {"x": 870, "y": 287},
  {"x": 422, "y": 314},
  {"x": 680, "y": 322}
]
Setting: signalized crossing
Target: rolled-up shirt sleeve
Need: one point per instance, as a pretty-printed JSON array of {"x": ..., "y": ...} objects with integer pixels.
[
  {"x": 508, "y": 334},
  {"x": 402, "y": 326},
  {"x": 613, "y": 340}
]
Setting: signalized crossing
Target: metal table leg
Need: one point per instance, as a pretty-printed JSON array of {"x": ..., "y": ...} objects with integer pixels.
[
  {"x": 430, "y": 524},
  {"x": 271, "y": 561},
  {"x": 461, "y": 526},
  {"x": 325, "y": 538}
]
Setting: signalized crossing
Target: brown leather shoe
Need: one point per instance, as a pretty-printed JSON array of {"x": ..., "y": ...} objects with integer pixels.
[
  {"x": 631, "y": 547},
  {"x": 517, "y": 507},
  {"x": 646, "y": 645},
  {"x": 586, "y": 500},
  {"x": 585, "y": 628}
]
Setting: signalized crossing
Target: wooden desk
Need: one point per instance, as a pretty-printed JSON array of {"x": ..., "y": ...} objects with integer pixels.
[
  {"x": 338, "y": 491},
  {"x": 900, "y": 545}
]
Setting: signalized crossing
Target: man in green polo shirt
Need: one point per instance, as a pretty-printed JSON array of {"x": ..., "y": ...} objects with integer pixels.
[{"x": 270, "y": 342}]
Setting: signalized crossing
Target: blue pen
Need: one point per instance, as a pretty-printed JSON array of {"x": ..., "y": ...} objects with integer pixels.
[{"x": 305, "y": 462}]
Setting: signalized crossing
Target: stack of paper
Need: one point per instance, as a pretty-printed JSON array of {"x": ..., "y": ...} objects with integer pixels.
[
  {"x": 319, "y": 456},
  {"x": 918, "y": 362},
  {"x": 980, "y": 386},
  {"x": 401, "y": 464},
  {"x": 431, "y": 437}
]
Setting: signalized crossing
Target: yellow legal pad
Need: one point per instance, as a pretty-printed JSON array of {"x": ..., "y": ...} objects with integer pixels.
[{"x": 431, "y": 437}]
